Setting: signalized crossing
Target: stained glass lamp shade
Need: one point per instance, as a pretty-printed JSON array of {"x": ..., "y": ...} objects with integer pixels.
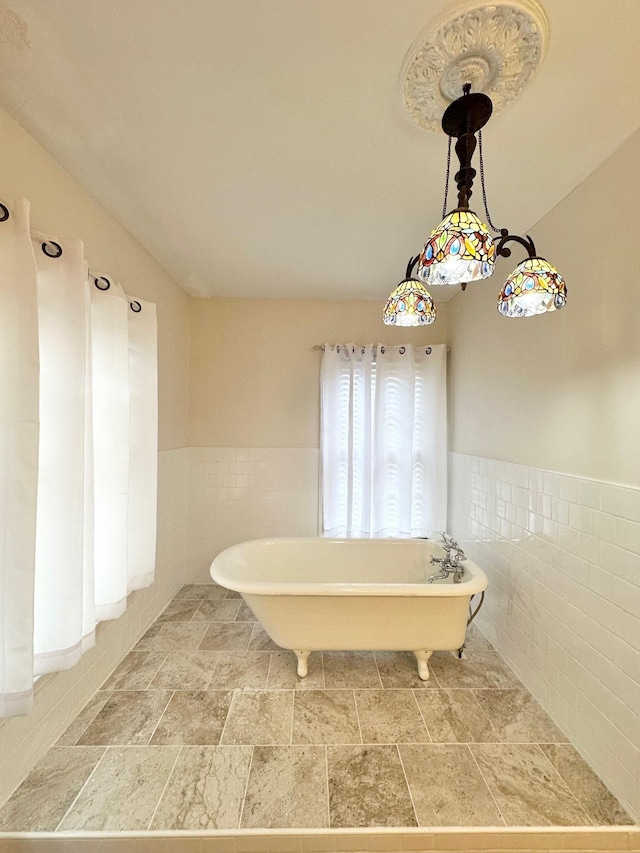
[
  {"x": 410, "y": 304},
  {"x": 534, "y": 287},
  {"x": 459, "y": 250}
]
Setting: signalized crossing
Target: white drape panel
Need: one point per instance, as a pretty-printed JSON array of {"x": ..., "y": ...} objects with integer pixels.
[
  {"x": 78, "y": 456},
  {"x": 410, "y": 459},
  {"x": 64, "y": 607},
  {"x": 143, "y": 444},
  {"x": 384, "y": 440},
  {"x": 110, "y": 355},
  {"x": 346, "y": 439},
  {"x": 19, "y": 379}
]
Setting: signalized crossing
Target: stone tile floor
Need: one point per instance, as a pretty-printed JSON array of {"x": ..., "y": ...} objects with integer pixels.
[{"x": 205, "y": 725}]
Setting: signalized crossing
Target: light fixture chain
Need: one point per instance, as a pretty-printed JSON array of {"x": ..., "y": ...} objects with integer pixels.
[
  {"x": 484, "y": 192},
  {"x": 446, "y": 181}
]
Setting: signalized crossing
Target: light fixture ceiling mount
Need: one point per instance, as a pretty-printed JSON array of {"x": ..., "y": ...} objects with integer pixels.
[{"x": 497, "y": 47}]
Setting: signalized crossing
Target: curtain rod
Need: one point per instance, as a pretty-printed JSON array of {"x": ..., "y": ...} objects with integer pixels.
[{"x": 321, "y": 347}]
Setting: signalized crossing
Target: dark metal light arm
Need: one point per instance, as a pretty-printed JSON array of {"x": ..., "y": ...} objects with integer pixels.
[
  {"x": 503, "y": 250},
  {"x": 411, "y": 266}
]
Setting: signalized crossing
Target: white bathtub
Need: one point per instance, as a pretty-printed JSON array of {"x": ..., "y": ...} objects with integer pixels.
[{"x": 321, "y": 594}]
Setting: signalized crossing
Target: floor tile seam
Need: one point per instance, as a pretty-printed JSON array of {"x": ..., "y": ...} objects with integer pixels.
[
  {"x": 293, "y": 714},
  {"x": 488, "y": 787},
  {"x": 157, "y": 670},
  {"x": 484, "y": 713},
  {"x": 75, "y": 743},
  {"x": 246, "y": 788},
  {"x": 406, "y": 781},
  {"x": 566, "y": 786},
  {"x": 160, "y": 718},
  {"x": 476, "y": 687},
  {"x": 424, "y": 720},
  {"x": 355, "y": 705},
  {"x": 140, "y": 745},
  {"x": 166, "y": 784},
  {"x": 375, "y": 662},
  {"x": 368, "y": 743},
  {"x": 326, "y": 768},
  {"x": 193, "y": 618},
  {"x": 234, "y": 692},
  {"x": 266, "y": 681},
  {"x": 324, "y": 678},
  {"x": 216, "y": 663},
  {"x": 82, "y": 787}
]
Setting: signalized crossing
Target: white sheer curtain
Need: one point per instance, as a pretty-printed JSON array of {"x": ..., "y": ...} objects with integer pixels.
[
  {"x": 347, "y": 408},
  {"x": 78, "y": 403},
  {"x": 384, "y": 440},
  {"x": 19, "y": 380},
  {"x": 64, "y": 608},
  {"x": 143, "y": 445}
]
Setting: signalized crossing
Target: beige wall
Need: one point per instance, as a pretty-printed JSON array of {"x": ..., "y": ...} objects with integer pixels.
[
  {"x": 60, "y": 206},
  {"x": 561, "y": 391},
  {"x": 254, "y": 375}
]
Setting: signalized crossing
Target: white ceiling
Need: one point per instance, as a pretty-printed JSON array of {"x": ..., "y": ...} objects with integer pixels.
[{"x": 259, "y": 147}]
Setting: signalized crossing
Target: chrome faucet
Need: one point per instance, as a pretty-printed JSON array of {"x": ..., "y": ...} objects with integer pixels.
[{"x": 450, "y": 563}]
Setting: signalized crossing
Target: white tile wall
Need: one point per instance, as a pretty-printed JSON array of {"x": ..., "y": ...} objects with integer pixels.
[
  {"x": 237, "y": 494},
  {"x": 59, "y": 697},
  {"x": 563, "y": 606}
]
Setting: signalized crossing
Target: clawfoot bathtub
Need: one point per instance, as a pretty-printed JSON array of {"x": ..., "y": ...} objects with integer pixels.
[{"x": 348, "y": 594}]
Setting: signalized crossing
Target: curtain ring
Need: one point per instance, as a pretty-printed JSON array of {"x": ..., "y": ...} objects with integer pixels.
[
  {"x": 428, "y": 350},
  {"x": 382, "y": 350},
  {"x": 403, "y": 350},
  {"x": 338, "y": 348},
  {"x": 57, "y": 250},
  {"x": 133, "y": 304},
  {"x": 106, "y": 281},
  {"x": 4, "y": 210}
]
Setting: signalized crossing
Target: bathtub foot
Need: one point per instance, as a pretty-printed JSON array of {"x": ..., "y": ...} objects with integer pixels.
[
  {"x": 423, "y": 664},
  {"x": 302, "y": 662}
]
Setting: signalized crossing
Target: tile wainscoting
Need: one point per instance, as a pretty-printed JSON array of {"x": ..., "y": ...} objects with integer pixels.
[
  {"x": 59, "y": 697},
  {"x": 236, "y": 494},
  {"x": 563, "y": 607}
]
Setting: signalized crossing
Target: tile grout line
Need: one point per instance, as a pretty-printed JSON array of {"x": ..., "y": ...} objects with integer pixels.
[
  {"x": 266, "y": 682},
  {"x": 415, "y": 699},
  {"x": 226, "y": 719},
  {"x": 486, "y": 783},
  {"x": 193, "y": 618},
  {"x": 75, "y": 743},
  {"x": 559, "y": 775},
  {"x": 166, "y": 654},
  {"x": 166, "y": 784},
  {"x": 485, "y": 714},
  {"x": 246, "y": 788},
  {"x": 75, "y": 799},
  {"x": 324, "y": 680},
  {"x": 373, "y": 655},
  {"x": 164, "y": 711},
  {"x": 293, "y": 713},
  {"x": 355, "y": 703},
  {"x": 406, "y": 779},
  {"x": 432, "y": 674},
  {"x": 326, "y": 770}
]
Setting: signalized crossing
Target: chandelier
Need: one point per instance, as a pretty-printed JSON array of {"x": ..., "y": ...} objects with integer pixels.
[{"x": 462, "y": 249}]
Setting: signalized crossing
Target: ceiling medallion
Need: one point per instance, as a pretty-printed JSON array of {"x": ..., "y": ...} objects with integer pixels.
[{"x": 497, "y": 47}]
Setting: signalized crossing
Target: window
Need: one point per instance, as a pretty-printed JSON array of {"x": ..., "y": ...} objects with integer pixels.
[{"x": 383, "y": 445}]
